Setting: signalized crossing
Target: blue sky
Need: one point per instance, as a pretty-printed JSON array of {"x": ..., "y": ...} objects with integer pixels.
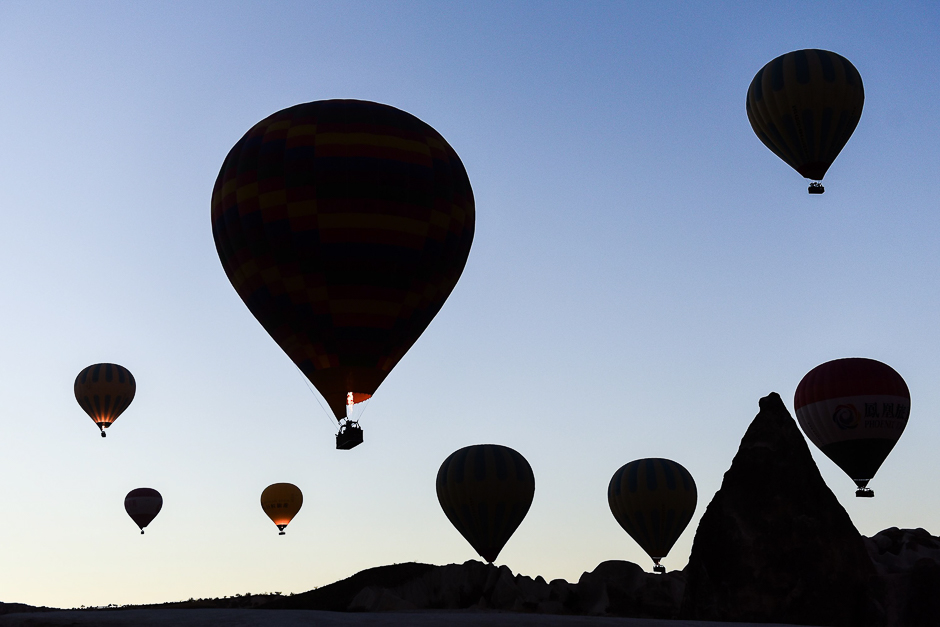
[{"x": 643, "y": 271}]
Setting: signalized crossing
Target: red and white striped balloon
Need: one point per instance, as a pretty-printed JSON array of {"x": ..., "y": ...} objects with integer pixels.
[{"x": 854, "y": 410}]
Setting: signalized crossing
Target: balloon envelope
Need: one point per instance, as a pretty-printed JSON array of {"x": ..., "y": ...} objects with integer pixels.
[
  {"x": 343, "y": 225},
  {"x": 485, "y": 491},
  {"x": 653, "y": 500},
  {"x": 281, "y": 502},
  {"x": 104, "y": 391},
  {"x": 804, "y": 106},
  {"x": 854, "y": 410},
  {"x": 143, "y": 505}
]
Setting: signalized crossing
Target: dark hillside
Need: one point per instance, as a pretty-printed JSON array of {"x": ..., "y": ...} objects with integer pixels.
[{"x": 336, "y": 597}]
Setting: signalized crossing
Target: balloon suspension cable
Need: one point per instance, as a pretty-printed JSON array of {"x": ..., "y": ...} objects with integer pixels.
[{"x": 329, "y": 415}]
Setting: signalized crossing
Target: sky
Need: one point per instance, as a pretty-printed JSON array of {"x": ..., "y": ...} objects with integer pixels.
[{"x": 643, "y": 271}]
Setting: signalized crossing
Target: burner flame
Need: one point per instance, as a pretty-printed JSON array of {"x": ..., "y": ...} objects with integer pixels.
[{"x": 354, "y": 398}]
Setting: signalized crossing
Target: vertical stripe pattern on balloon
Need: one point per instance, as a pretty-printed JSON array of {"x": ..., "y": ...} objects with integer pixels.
[
  {"x": 104, "y": 391},
  {"x": 653, "y": 500},
  {"x": 485, "y": 491},
  {"x": 804, "y": 106}
]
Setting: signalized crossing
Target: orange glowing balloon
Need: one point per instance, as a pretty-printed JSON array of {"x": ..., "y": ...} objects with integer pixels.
[
  {"x": 281, "y": 502},
  {"x": 104, "y": 391}
]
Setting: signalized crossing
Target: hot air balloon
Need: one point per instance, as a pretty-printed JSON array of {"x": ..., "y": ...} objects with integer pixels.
[
  {"x": 653, "y": 500},
  {"x": 485, "y": 491},
  {"x": 281, "y": 502},
  {"x": 104, "y": 391},
  {"x": 143, "y": 505},
  {"x": 343, "y": 225},
  {"x": 804, "y": 106},
  {"x": 854, "y": 410}
]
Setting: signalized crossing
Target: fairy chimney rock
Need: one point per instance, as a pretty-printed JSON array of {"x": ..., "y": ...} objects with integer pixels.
[{"x": 774, "y": 545}]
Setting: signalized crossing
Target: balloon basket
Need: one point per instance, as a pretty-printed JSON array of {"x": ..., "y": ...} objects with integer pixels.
[
  {"x": 350, "y": 436},
  {"x": 865, "y": 493},
  {"x": 282, "y": 533},
  {"x": 659, "y": 569},
  {"x": 816, "y": 188}
]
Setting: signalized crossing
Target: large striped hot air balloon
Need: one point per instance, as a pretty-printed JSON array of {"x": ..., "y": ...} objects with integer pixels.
[
  {"x": 281, "y": 502},
  {"x": 854, "y": 410},
  {"x": 343, "y": 225},
  {"x": 653, "y": 500},
  {"x": 804, "y": 106},
  {"x": 104, "y": 391},
  {"x": 143, "y": 505},
  {"x": 485, "y": 491}
]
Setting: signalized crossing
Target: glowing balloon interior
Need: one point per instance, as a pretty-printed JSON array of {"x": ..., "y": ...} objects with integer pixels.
[
  {"x": 104, "y": 391},
  {"x": 281, "y": 502}
]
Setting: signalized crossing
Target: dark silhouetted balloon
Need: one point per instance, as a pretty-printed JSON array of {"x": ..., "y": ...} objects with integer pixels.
[
  {"x": 804, "y": 106},
  {"x": 143, "y": 505},
  {"x": 485, "y": 490},
  {"x": 653, "y": 500},
  {"x": 281, "y": 502},
  {"x": 104, "y": 391},
  {"x": 344, "y": 225},
  {"x": 854, "y": 410}
]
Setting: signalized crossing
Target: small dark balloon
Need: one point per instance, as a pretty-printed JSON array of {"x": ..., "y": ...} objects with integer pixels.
[{"x": 143, "y": 505}]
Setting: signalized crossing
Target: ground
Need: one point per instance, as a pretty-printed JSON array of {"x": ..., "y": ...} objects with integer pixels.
[{"x": 311, "y": 618}]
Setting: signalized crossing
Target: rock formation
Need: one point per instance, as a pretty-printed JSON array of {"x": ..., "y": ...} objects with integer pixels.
[
  {"x": 423, "y": 586},
  {"x": 908, "y": 564},
  {"x": 337, "y": 596},
  {"x": 775, "y": 545},
  {"x": 470, "y": 585},
  {"x": 614, "y": 588},
  {"x": 617, "y": 588}
]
